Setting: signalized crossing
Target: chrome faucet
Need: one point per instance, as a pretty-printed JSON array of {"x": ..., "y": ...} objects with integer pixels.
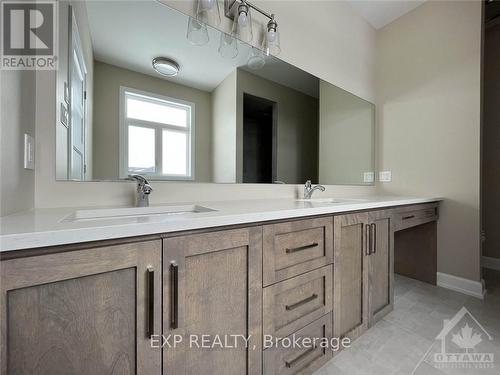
[
  {"x": 309, "y": 189},
  {"x": 143, "y": 190}
]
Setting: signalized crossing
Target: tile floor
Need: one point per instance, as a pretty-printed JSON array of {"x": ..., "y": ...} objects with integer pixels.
[{"x": 403, "y": 343}]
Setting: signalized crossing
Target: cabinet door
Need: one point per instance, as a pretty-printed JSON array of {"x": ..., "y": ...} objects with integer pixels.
[
  {"x": 350, "y": 285},
  {"x": 381, "y": 265},
  {"x": 213, "y": 287},
  {"x": 82, "y": 312}
]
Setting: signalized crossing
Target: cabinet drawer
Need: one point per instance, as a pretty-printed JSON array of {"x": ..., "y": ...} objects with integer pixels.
[
  {"x": 305, "y": 360},
  {"x": 415, "y": 216},
  {"x": 296, "y": 247},
  {"x": 292, "y": 304}
]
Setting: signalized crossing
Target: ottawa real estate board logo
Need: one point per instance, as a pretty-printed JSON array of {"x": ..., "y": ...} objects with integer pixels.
[{"x": 29, "y": 35}]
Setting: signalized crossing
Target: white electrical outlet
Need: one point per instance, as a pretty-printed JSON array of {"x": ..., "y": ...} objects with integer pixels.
[
  {"x": 368, "y": 177},
  {"x": 29, "y": 152},
  {"x": 385, "y": 176}
]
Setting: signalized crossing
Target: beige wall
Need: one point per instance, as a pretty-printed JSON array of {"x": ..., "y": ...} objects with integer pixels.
[
  {"x": 108, "y": 80},
  {"x": 428, "y": 98},
  {"x": 297, "y": 128},
  {"x": 346, "y": 136},
  {"x": 224, "y": 130},
  {"x": 491, "y": 142},
  {"x": 17, "y": 117}
]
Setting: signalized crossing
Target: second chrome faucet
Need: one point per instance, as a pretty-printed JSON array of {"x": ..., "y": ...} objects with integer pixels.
[{"x": 309, "y": 189}]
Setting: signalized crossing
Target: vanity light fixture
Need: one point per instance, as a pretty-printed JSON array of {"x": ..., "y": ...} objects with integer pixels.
[
  {"x": 239, "y": 11},
  {"x": 242, "y": 23},
  {"x": 271, "y": 40},
  {"x": 165, "y": 66},
  {"x": 208, "y": 12}
]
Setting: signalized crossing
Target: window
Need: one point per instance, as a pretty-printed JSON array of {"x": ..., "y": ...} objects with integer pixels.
[{"x": 157, "y": 134}]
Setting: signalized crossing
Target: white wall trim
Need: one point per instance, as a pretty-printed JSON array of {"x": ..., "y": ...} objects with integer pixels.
[
  {"x": 459, "y": 284},
  {"x": 491, "y": 263}
]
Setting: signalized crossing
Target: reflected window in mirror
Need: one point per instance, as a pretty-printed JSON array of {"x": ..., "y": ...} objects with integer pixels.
[{"x": 157, "y": 134}]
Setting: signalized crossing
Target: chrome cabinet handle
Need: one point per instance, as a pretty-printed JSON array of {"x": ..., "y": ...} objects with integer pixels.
[
  {"x": 294, "y": 361},
  {"x": 174, "y": 295},
  {"x": 151, "y": 302},
  {"x": 300, "y": 303},
  {"x": 374, "y": 239},
  {"x": 300, "y": 248}
]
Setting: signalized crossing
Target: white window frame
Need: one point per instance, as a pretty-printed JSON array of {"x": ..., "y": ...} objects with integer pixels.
[{"x": 189, "y": 129}]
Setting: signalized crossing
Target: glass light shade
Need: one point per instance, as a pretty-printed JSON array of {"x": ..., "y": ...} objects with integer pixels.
[
  {"x": 208, "y": 12},
  {"x": 271, "y": 42},
  {"x": 228, "y": 47},
  {"x": 257, "y": 59},
  {"x": 197, "y": 32},
  {"x": 242, "y": 25}
]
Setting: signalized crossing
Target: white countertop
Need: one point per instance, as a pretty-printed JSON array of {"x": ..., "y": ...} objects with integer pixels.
[{"x": 45, "y": 227}]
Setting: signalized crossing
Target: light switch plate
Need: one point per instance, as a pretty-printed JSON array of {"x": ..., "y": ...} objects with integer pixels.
[
  {"x": 368, "y": 177},
  {"x": 385, "y": 176},
  {"x": 29, "y": 152}
]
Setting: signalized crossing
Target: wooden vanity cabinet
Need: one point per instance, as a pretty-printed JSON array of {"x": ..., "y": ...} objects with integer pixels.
[
  {"x": 82, "y": 312},
  {"x": 380, "y": 265},
  {"x": 213, "y": 286},
  {"x": 350, "y": 275},
  {"x": 93, "y": 310},
  {"x": 363, "y": 278}
]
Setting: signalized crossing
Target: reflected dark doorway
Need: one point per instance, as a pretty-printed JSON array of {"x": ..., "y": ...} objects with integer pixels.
[{"x": 259, "y": 134}]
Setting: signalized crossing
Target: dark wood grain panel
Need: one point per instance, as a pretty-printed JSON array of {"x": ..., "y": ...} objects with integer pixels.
[
  {"x": 280, "y": 360},
  {"x": 350, "y": 276},
  {"x": 219, "y": 293},
  {"x": 79, "y": 326},
  {"x": 295, "y": 247},
  {"x": 415, "y": 252}
]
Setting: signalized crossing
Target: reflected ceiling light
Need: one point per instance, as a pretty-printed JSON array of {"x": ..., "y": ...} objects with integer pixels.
[
  {"x": 197, "y": 32},
  {"x": 257, "y": 59},
  {"x": 165, "y": 66},
  {"x": 228, "y": 46},
  {"x": 207, "y": 11},
  {"x": 271, "y": 40}
]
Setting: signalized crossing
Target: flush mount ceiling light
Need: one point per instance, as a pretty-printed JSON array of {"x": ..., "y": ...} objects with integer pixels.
[{"x": 165, "y": 66}]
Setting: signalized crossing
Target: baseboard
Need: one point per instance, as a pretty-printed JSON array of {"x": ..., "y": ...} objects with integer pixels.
[
  {"x": 491, "y": 263},
  {"x": 459, "y": 284}
]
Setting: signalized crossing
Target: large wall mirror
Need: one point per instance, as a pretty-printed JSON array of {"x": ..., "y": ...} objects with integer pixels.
[{"x": 230, "y": 115}]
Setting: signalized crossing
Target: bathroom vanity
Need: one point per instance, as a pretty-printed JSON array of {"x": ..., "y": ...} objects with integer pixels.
[{"x": 256, "y": 268}]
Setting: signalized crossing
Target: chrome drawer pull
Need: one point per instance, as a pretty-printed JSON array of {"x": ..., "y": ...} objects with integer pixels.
[
  {"x": 294, "y": 361},
  {"x": 408, "y": 217},
  {"x": 151, "y": 302},
  {"x": 300, "y": 248},
  {"x": 174, "y": 295},
  {"x": 300, "y": 303}
]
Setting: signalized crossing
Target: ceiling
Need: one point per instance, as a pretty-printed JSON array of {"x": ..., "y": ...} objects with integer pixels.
[
  {"x": 380, "y": 13},
  {"x": 129, "y": 34}
]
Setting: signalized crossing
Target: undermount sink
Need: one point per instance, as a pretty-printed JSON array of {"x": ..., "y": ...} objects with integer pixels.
[
  {"x": 331, "y": 200},
  {"x": 131, "y": 212}
]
